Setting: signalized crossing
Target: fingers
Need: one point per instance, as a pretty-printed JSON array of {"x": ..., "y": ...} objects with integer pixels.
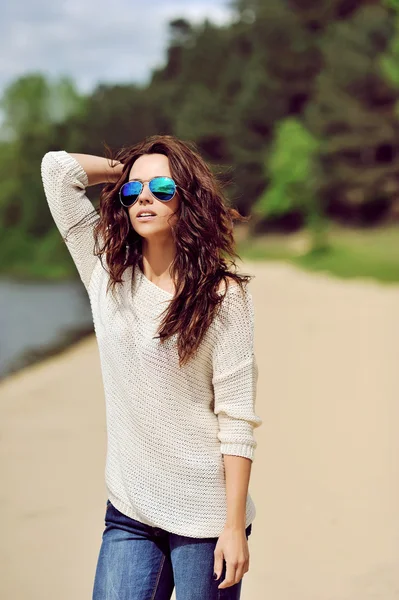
[
  {"x": 230, "y": 578},
  {"x": 218, "y": 564},
  {"x": 235, "y": 571}
]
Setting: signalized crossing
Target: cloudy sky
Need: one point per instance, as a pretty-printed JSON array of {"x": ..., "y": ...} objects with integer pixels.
[{"x": 93, "y": 40}]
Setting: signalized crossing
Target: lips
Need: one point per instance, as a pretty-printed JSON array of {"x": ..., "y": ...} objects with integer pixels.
[
  {"x": 145, "y": 218},
  {"x": 146, "y": 212}
]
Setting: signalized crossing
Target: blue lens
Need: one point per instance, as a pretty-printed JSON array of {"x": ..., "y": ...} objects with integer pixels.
[
  {"x": 163, "y": 188},
  {"x": 130, "y": 191}
]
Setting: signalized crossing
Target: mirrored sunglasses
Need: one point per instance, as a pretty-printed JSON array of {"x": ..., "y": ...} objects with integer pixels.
[{"x": 162, "y": 188}]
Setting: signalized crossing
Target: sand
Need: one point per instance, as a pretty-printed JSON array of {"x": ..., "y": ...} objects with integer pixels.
[{"x": 325, "y": 478}]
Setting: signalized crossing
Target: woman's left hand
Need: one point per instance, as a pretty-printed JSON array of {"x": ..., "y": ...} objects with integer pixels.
[{"x": 232, "y": 546}]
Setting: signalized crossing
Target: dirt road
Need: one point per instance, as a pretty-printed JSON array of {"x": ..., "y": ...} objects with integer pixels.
[{"x": 326, "y": 473}]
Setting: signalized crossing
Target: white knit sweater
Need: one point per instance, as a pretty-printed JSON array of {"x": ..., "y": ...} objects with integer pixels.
[{"x": 167, "y": 427}]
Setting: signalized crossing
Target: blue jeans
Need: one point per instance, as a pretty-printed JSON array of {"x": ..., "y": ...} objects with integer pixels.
[{"x": 140, "y": 562}]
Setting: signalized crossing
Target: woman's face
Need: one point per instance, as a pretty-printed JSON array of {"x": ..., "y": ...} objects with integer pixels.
[{"x": 145, "y": 168}]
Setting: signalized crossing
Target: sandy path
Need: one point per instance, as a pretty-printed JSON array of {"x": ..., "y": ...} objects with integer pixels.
[{"x": 326, "y": 474}]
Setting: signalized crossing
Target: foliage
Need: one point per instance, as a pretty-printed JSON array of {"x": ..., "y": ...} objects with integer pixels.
[
  {"x": 308, "y": 89},
  {"x": 292, "y": 171},
  {"x": 289, "y": 168}
]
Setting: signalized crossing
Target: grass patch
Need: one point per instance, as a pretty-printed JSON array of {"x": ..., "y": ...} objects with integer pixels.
[{"x": 366, "y": 253}]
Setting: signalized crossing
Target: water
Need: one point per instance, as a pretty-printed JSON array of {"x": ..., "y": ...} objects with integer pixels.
[{"x": 38, "y": 317}]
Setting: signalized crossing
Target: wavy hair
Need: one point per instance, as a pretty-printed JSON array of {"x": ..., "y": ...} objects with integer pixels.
[{"x": 203, "y": 237}]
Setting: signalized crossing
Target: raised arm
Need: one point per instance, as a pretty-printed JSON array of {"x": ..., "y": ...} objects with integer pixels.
[
  {"x": 65, "y": 180},
  {"x": 99, "y": 169}
]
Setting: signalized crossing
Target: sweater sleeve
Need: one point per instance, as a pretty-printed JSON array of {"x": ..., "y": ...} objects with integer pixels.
[
  {"x": 235, "y": 374},
  {"x": 64, "y": 182}
]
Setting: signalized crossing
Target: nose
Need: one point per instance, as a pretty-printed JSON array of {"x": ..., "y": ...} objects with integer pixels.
[{"x": 145, "y": 193}]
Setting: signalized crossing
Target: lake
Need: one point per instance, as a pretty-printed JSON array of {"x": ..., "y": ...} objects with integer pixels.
[{"x": 37, "y": 318}]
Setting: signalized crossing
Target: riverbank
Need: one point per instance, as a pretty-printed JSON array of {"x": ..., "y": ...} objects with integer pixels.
[{"x": 39, "y": 320}]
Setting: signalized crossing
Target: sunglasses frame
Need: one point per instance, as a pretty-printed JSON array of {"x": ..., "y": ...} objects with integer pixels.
[{"x": 142, "y": 187}]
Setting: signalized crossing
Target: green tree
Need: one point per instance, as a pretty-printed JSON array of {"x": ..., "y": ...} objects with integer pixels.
[
  {"x": 31, "y": 103},
  {"x": 352, "y": 113},
  {"x": 293, "y": 181}
]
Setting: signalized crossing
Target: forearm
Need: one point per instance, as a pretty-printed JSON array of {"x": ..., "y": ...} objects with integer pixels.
[
  {"x": 98, "y": 168},
  {"x": 238, "y": 472}
]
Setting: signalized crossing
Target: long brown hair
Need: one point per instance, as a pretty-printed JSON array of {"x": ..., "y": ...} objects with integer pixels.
[{"x": 203, "y": 236}]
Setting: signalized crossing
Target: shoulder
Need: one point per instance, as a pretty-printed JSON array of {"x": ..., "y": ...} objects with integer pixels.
[
  {"x": 231, "y": 282},
  {"x": 236, "y": 314},
  {"x": 237, "y": 301}
]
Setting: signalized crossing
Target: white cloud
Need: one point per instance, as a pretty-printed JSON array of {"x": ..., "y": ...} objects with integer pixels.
[{"x": 93, "y": 41}]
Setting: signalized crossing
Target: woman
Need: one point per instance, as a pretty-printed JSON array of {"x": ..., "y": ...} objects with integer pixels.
[{"x": 175, "y": 339}]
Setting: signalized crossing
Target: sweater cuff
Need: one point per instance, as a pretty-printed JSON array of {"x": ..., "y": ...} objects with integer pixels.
[{"x": 245, "y": 450}]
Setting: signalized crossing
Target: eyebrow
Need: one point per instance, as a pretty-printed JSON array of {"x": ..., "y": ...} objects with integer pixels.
[{"x": 141, "y": 180}]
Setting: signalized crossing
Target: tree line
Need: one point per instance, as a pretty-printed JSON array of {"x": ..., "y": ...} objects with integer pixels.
[{"x": 294, "y": 103}]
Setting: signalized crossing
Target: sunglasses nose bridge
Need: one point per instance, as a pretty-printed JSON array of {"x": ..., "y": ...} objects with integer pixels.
[{"x": 145, "y": 192}]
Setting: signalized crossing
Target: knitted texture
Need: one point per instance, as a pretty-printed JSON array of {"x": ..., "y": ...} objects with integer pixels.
[{"x": 167, "y": 426}]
